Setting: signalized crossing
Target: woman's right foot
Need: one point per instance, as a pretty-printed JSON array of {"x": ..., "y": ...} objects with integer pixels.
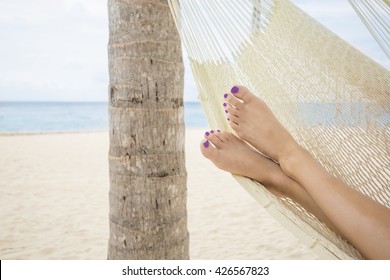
[{"x": 255, "y": 123}]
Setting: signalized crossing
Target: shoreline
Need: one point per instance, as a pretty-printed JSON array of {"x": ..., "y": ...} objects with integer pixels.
[
  {"x": 25, "y": 133},
  {"x": 50, "y": 132}
]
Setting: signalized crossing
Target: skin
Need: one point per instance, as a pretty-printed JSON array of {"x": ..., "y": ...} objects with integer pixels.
[
  {"x": 231, "y": 154},
  {"x": 361, "y": 220}
]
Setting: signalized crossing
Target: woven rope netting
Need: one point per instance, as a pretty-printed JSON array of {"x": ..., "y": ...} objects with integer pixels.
[{"x": 331, "y": 97}]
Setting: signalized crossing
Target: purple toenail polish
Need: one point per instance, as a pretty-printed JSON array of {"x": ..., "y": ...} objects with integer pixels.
[
  {"x": 207, "y": 133},
  {"x": 224, "y": 104},
  {"x": 228, "y": 119},
  {"x": 225, "y": 95},
  {"x": 218, "y": 130},
  {"x": 212, "y": 131},
  {"x": 206, "y": 144},
  {"x": 226, "y": 111},
  {"x": 234, "y": 89}
]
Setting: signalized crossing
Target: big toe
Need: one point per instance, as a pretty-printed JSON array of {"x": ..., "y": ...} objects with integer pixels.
[
  {"x": 242, "y": 93},
  {"x": 208, "y": 150}
]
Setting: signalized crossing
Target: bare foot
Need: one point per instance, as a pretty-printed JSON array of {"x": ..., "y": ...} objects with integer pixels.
[
  {"x": 255, "y": 123},
  {"x": 231, "y": 154}
]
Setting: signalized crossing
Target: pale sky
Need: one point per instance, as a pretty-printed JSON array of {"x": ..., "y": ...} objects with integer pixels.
[{"x": 56, "y": 50}]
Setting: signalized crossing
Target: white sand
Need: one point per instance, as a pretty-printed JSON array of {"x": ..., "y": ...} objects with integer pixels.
[{"x": 54, "y": 203}]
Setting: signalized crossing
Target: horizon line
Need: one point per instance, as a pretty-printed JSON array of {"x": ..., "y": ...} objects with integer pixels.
[{"x": 69, "y": 101}]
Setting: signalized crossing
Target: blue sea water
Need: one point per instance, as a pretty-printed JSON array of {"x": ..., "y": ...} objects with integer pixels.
[{"x": 18, "y": 117}]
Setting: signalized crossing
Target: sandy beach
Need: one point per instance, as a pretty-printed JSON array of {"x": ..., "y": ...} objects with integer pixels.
[{"x": 54, "y": 203}]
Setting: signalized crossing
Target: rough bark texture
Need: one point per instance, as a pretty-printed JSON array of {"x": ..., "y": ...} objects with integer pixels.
[{"x": 148, "y": 218}]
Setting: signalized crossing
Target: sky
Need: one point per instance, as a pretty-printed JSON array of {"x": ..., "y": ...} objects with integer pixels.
[{"x": 57, "y": 50}]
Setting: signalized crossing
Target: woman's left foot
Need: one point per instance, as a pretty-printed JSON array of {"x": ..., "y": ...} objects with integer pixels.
[{"x": 230, "y": 153}]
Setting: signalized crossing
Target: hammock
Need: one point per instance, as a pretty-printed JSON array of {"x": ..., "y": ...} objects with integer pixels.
[
  {"x": 332, "y": 98},
  {"x": 375, "y": 14}
]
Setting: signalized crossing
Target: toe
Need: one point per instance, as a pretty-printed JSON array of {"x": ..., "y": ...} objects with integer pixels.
[
  {"x": 233, "y": 118},
  {"x": 233, "y": 102},
  {"x": 207, "y": 150},
  {"x": 232, "y": 111},
  {"x": 242, "y": 93},
  {"x": 214, "y": 139},
  {"x": 218, "y": 134},
  {"x": 222, "y": 135},
  {"x": 235, "y": 126}
]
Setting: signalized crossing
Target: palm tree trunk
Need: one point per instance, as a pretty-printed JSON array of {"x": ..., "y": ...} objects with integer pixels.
[{"x": 148, "y": 217}]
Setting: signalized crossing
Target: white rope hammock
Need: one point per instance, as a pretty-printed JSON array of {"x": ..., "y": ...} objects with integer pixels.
[
  {"x": 332, "y": 98},
  {"x": 375, "y": 14}
]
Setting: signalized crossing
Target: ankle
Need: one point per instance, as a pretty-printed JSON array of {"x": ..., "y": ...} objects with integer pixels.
[{"x": 293, "y": 159}]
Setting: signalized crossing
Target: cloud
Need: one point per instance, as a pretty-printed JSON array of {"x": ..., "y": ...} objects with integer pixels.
[
  {"x": 53, "y": 50},
  {"x": 57, "y": 50}
]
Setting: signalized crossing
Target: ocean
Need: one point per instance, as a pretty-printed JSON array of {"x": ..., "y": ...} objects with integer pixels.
[{"x": 38, "y": 117}]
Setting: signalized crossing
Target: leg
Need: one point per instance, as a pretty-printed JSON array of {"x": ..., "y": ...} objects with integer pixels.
[
  {"x": 231, "y": 154},
  {"x": 364, "y": 222}
]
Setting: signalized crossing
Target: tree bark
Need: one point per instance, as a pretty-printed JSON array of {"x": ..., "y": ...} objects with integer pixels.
[{"x": 148, "y": 216}]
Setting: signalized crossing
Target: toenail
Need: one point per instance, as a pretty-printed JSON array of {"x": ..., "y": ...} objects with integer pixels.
[
  {"x": 212, "y": 131},
  {"x": 226, "y": 111},
  {"x": 206, "y": 144},
  {"x": 218, "y": 130},
  {"x": 224, "y": 104},
  {"x": 207, "y": 133},
  {"x": 225, "y": 95},
  {"x": 228, "y": 119},
  {"x": 234, "y": 89}
]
